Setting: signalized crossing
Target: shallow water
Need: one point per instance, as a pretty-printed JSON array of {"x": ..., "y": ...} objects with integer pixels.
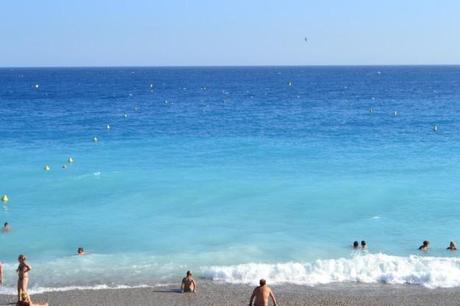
[{"x": 210, "y": 168}]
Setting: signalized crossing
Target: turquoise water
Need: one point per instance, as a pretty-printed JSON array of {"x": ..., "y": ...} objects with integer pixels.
[{"x": 231, "y": 172}]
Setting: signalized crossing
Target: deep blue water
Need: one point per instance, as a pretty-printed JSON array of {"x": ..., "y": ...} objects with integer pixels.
[{"x": 217, "y": 167}]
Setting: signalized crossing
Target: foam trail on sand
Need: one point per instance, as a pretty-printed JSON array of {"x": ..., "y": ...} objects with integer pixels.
[{"x": 39, "y": 290}]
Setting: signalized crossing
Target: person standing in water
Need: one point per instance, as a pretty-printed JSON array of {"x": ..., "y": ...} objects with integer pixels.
[
  {"x": 188, "y": 283},
  {"x": 23, "y": 276},
  {"x": 261, "y": 295},
  {"x": 1, "y": 274}
]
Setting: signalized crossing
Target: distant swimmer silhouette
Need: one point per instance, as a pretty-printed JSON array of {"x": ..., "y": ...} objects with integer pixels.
[
  {"x": 6, "y": 228},
  {"x": 81, "y": 251},
  {"x": 425, "y": 246},
  {"x": 356, "y": 245},
  {"x": 452, "y": 246}
]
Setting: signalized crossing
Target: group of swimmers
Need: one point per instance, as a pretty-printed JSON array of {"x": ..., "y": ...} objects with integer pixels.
[
  {"x": 424, "y": 247},
  {"x": 363, "y": 245}
]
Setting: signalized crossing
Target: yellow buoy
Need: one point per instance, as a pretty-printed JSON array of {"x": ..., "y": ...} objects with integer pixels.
[
  {"x": 5, "y": 198},
  {"x": 47, "y": 168}
]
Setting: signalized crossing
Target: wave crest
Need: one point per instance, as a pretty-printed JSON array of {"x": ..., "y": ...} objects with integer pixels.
[{"x": 431, "y": 272}]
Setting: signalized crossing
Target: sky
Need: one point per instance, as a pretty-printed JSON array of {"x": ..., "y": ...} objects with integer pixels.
[{"x": 232, "y": 32}]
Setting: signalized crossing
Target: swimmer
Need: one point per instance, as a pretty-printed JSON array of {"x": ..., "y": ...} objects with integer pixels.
[
  {"x": 261, "y": 295},
  {"x": 23, "y": 276},
  {"x": 363, "y": 244},
  {"x": 6, "y": 228},
  {"x": 425, "y": 246},
  {"x": 452, "y": 246},
  {"x": 356, "y": 245},
  {"x": 1, "y": 274},
  {"x": 188, "y": 283},
  {"x": 81, "y": 251}
]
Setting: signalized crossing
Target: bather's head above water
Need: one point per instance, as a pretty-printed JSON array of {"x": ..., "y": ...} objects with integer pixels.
[
  {"x": 363, "y": 244},
  {"x": 425, "y": 245},
  {"x": 80, "y": 251},
  {"x": 452, "y": 246},
  {"x": 355, "y": 245}
]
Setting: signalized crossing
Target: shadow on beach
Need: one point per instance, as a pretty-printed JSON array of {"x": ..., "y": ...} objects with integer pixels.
[{"x": 167, "y": 291}]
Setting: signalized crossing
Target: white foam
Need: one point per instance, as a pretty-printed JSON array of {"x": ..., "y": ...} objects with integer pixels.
[
  {"x": 39, "y": 290},
  {"x": 430, "y": 272}
]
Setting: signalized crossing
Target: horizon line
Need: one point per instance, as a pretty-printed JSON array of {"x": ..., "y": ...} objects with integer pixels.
[{"x": 230, "y": 66}]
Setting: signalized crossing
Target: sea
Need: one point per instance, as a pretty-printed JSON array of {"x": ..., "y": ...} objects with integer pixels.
[{"x": 234, "y": 173}]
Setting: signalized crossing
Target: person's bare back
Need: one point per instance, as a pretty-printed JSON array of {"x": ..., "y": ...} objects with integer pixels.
[
  {"x": 261, "y": 294},
  {"x": 188, "y": 283}
]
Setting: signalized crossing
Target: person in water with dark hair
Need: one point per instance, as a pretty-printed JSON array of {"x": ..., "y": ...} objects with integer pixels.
[
  {"x": 80, "y": 251},
  {"x": 356, "y": 245},
  {"x": 261, "y": 295},
  {"x": 425, "y": 246},
  {"x": 6, "y": 227},
  {"x": 452, "y": 246},
  {"x": 188, "y": 283},
  {"x": 363, "y": 245}
]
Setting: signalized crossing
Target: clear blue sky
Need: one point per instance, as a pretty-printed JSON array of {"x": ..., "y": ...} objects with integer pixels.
[{"x": 233, "y": 32}]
